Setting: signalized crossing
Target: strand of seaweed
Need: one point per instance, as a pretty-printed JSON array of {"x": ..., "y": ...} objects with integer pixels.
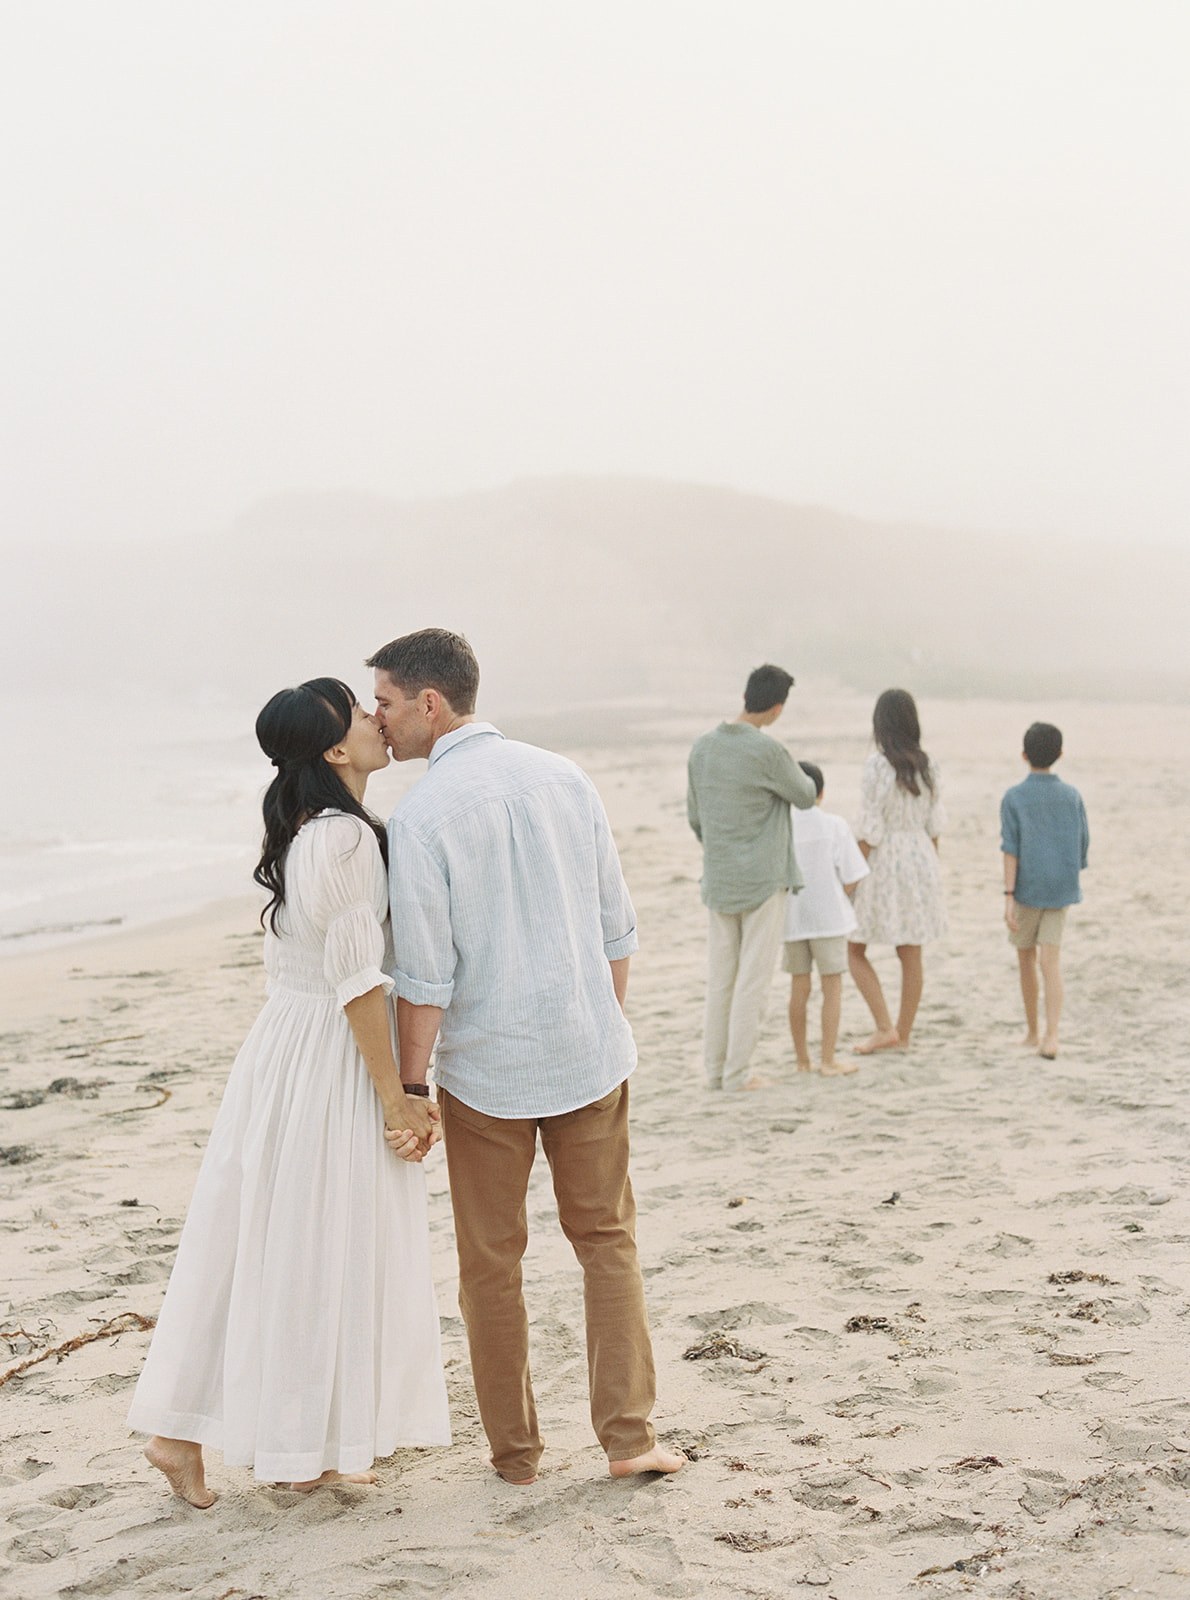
[{"x": 126, "y": 1322}]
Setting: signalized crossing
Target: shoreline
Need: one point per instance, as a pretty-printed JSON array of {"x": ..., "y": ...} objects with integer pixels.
[
  {"x": 35, "y": 983},
  {"x": 824, "y": 722}
]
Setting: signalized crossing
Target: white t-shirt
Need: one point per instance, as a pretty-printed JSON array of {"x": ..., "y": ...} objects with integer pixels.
[{"x": 828, "y": 857}]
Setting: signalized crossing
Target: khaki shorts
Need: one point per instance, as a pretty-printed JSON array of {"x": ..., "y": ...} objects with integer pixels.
[
  {"x": 828, "y": 955},
  {"x": 1037, "y": 925}
]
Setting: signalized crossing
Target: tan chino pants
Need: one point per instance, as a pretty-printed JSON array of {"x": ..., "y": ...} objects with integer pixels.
[{"x": 489, "y": 1160}]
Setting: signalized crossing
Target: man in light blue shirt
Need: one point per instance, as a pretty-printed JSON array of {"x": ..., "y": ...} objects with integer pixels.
[{"x": 512, "y": 932}]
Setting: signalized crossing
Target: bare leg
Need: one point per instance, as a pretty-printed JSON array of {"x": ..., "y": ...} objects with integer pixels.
[
  {"x": 799, "y": 999},
  {"x": 1029, "y": 994},
  {"x": 886, "y": 1036},
  {"x": 654, "y": 1460},
  {"x": 832, "y": 1010},
  {"x": 911, "y": 982},
  {"x": 334, "y": 1477},
  {"x": 181, "y": 1462},
  {"x": 1051, "y": 972}
]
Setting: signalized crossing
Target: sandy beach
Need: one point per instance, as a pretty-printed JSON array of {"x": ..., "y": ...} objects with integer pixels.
[{"x": 950, "y": 1291}]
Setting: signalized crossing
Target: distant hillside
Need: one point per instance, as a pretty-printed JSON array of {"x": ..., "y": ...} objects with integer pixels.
[{"x": 590, "y": 588}]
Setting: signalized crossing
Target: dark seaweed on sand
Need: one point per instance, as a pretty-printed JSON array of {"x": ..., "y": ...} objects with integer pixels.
[{"x": 717, "y": 1345}]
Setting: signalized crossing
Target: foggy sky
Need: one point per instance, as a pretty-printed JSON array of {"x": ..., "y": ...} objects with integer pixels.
[{"x": 919, "y": 259}]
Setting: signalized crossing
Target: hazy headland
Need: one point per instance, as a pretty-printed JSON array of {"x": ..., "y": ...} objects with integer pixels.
[{"x": 579, "y": 589}]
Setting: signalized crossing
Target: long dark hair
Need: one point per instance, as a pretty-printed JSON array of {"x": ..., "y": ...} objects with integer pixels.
[
  {"x": 898, "y": 738},
  {"x": 294, "y": 730}
]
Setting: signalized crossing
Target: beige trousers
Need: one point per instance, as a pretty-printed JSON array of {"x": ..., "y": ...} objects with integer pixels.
[
  {"x": 489, "y": 1160},
  {"x": 741, "y": 954}
]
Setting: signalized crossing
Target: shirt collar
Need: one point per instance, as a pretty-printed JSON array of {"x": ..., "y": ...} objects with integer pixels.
[{"x": 448, "y": 741}]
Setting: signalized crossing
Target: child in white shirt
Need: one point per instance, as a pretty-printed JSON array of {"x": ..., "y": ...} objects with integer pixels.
[{"x": 817, "y": 922}]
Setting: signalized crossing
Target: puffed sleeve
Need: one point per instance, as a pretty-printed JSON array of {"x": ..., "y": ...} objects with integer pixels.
[
  {"x": 936, "y": 816},
  {"x": 346, "y": 886},
  {"x": 875, "y": 782}
]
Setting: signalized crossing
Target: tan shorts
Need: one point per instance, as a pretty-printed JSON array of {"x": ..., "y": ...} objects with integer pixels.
[
  {"x": 828, "y": 955},
  {"x": 1037, "y": 925}
]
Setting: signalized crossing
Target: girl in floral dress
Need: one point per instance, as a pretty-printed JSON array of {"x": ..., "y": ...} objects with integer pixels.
[{"x": 900, "y": 902}]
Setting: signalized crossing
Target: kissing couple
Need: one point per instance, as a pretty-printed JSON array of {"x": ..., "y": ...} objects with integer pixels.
[{"x": 491, "y": 925}]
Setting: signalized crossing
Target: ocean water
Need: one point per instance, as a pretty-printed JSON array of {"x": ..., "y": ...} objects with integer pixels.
[{"x": 118, "y": 812}]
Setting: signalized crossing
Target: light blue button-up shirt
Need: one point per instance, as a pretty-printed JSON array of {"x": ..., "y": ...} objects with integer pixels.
[{"x": 508, "y": 903}]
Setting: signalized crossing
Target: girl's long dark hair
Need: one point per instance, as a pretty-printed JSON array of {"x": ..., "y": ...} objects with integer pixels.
[
  {"x": 295, "y": 730},
  {"x": 898, "y": 738}
]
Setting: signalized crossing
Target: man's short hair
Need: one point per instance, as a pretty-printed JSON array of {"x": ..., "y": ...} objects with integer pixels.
[
  {"x": 815, "y": 772},
  {"x": 1043, "y": 745},
  {"x": 767, "y": 686},
  {"x": 434, "y": 658}
]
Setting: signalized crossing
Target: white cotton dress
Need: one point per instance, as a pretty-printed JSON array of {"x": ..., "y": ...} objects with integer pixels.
[
  {"x": 299, "y": 1331},
  {"x": 900, "y": 901}
]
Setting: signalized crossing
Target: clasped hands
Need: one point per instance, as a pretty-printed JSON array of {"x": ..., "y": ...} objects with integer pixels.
[{"x": 419, "y": 1135}]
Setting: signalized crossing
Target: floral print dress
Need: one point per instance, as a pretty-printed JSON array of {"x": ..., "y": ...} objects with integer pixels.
[{"x": 900, "y": 902}]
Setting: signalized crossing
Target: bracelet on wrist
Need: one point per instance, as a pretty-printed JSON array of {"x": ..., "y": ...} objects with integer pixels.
[{"x": 422, "y": 1089}]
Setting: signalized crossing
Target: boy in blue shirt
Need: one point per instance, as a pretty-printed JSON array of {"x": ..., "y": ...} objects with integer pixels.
[{"x": 1044, "y": 837}]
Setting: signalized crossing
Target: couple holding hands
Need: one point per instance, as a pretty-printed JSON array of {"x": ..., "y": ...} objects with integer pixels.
[{"x": 299, "y": 1333}]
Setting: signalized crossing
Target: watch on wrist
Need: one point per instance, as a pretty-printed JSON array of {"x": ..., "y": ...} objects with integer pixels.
[{"x": 422, "y": 1089}]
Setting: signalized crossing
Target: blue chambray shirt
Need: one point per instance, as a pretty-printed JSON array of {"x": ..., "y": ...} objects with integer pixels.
[
  {"x": 508, "y": 902},
  {"x": 1044, "y": 825}
]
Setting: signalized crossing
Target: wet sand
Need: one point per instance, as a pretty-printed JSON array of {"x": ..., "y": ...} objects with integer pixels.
[{"x": 951, "y": 1289}]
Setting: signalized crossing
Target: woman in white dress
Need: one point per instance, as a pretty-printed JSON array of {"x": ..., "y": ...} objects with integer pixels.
[
  {"x": 900, "y": 902},
  {"x": 299, "y": 1333}
]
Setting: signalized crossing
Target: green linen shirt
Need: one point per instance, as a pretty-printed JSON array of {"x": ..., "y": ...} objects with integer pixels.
[{"x": 740, "y": 786}]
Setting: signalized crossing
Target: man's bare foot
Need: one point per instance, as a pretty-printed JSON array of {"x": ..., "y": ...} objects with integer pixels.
[
  {"x": 181, "y": 1462},
  {"x": 755, "y": 1083},
  {"x": 332, "y": 1477},
  {"x": 882, "y": 1039},
  {"x": 837, "y": 1069},
  {"x": 654, "y": 1460}
]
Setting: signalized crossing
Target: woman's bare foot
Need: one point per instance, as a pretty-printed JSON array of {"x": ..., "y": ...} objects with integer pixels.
[
  {"x": 181, "y": 1462},
  {"x": 837, "y": 1069},
  {"x": 332, "y": 1477},
  {"x": 1049, "y": 1048},
  {"x": 882, "y": 1039},
  {"x": 1030, "y": 1041},
  {"x": 654, "y": 1460}
]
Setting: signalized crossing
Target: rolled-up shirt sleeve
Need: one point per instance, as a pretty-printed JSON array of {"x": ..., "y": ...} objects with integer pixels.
[
  {"x": 692, "y": 815},
  {"x": 1010, "y": 828},
  {"x": 419, "y": 897},
  {"x": 347, "y": 878},
  {"x": 616, "y": 912}
]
